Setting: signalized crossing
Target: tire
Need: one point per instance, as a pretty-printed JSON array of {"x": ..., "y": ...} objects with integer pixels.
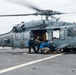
[
  {"x": 66, "y": 50},
  {"x": 59, "y": 51}
]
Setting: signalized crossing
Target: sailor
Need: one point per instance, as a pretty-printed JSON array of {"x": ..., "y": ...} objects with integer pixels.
[
  {"x": 45, "y": 47},
  {"x": 38, "y": 42},
  {"x": 31, "y": 45}
]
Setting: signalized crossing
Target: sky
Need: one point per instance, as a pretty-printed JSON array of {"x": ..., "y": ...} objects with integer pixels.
[{"x": 7, "y": 7}]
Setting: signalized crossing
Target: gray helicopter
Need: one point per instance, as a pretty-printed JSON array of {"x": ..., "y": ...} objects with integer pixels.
[{"x": 61, "y": 34}]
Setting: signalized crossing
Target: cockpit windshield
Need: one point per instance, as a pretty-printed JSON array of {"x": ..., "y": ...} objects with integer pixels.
[{"x": 71, "y": 31}]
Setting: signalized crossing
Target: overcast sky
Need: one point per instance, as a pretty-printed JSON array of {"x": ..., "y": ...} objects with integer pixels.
[{"x": 6, "y": 7}]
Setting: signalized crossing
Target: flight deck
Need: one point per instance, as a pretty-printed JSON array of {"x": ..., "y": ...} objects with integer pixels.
[{"x": 20, "y": 62}]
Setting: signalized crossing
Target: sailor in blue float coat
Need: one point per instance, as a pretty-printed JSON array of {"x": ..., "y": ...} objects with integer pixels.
[
  {"x": 45, "y": 44},
  {"x": 31, "y": 45}
]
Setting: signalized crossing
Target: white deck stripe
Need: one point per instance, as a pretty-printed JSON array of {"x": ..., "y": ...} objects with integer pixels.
[{"x": 26, "y": 64}]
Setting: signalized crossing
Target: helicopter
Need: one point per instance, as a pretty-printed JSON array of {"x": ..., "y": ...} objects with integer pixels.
[{"x": 20, "y": 34}]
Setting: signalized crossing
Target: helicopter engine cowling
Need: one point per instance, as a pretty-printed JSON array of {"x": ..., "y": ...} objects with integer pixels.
[
  {"x": 35, "y": 24},
  {"x": 19, "y": 28}
]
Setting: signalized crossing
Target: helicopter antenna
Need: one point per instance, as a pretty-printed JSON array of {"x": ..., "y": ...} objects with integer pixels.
[
  {"x": 52, "y": 17},
  {"x": 57, "y": 19}
]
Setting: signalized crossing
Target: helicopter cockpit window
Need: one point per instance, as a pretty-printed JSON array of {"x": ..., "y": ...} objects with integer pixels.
[
  {"x": 56, "y": 34},
  {"x": 18, "y": 36},
  {"x": 26, "y": 36},
  {"x": 71, "y": 31}
]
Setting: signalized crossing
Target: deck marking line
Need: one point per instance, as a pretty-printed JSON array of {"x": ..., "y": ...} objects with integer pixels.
[
  {"x": 24, "y": 53},
  {"x": 26, "y": 64}
]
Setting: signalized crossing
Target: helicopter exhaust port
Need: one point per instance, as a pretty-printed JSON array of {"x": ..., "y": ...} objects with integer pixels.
[{"x": 6, "y": 41}]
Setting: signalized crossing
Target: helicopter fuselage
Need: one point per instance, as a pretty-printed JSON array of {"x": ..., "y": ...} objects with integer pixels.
[{"x": 58, "y": 32}]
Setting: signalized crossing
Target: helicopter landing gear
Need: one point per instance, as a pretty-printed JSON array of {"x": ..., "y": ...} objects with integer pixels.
[
  {"x": 59, "y": 50},
  {"x": 74, "y": 50},
  {"x": 66, "y": 50}
]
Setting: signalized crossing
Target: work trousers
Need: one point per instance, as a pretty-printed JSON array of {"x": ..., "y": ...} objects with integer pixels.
[{"x": 32, "y": 48}]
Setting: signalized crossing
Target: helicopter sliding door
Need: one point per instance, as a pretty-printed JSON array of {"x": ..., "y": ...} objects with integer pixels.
[
  {"x": 59, "y": 33},
  {"x": 59, "y": 36}
]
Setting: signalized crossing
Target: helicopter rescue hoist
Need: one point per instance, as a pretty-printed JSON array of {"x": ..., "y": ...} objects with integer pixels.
[{"x": 61, "y": 34}]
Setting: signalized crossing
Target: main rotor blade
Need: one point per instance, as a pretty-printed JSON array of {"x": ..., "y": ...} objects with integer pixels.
[
  {"x": 16, "y": 15},
  {"x": 71, "y": 12},
  {"x": 24, "y": 3},
  {"x": 32, "y": 7}
]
